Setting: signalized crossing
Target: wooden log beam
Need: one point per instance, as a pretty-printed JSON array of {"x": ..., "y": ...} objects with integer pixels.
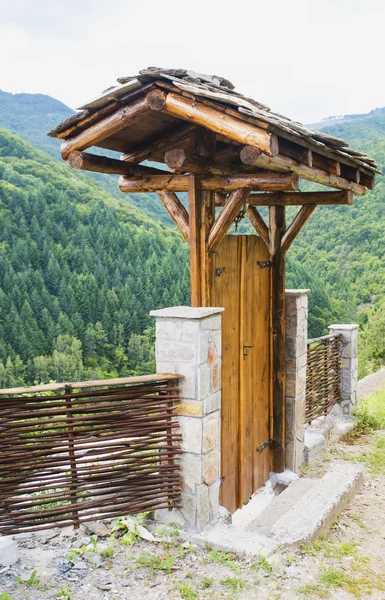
[
  {"x": 234, "y": 204},
  {"x": 223, "y": 124},
  {"x": 159, "y": 145},
  {"x": 194, "y": 196},
  {"x": 264, "y": 181},
  {"x": 297, "y": 198},
  {"x": 278, "y": 366},
  {"x": 184, "y": 161},
  {"x": 258, "y": 223},
  {"x": 176, "y": 210},
  {"x": 113, "y": 123},
  {"x": 103, "y": 164},
  {"x": 296, "y": 225},
  {"x": 285, "y": 164}
]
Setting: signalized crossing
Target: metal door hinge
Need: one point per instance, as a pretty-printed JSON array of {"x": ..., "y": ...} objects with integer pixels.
[
  {"x": 264, "y": 264},
  {"x": 264, "y": 445},
  {"x": 218, "y": 272}
]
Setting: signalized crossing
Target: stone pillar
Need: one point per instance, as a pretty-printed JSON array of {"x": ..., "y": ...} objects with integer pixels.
[
  {"x": 188, "y": 342},
  {"x": 349, "y": 364},
  {"x": 296, "y": 358}
]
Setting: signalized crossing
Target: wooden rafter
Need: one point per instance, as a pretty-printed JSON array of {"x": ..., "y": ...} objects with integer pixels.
[
  {"x": 160, "y": 144},
  {"x": 263, "y": 181},
  {"x": 223, "y": 222},
  {"x": 176, "y": 210},
  {"x": 296, "y": 225},
  {"x": 234, "y": 129},
  {"x": 111, "y": 124},
  {"x": 103, "y": 164},
  {"x": 258, "y": 223},
  {"x": 284, "y": 163}
]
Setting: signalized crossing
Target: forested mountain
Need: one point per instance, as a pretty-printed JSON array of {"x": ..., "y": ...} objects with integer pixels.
[
  {"x": 96, "y": 241},
  {"x": 31, "y": 116},
  {"x": 79, "y": 272}
]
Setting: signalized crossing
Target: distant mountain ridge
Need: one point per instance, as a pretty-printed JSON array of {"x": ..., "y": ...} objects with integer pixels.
[{"x": 336, "y": 120}]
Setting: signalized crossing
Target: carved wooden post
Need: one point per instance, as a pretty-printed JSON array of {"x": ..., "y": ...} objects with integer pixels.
[{"x": 276, "y": 232}]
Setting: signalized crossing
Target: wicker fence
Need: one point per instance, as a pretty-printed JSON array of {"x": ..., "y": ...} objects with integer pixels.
[
  {"x": 74, "y": 452},
  {"x": 322, "y": 376}
]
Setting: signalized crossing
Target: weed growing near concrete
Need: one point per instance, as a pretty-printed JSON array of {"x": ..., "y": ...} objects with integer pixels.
[
  {"x": 234, "y": 584},
  {"x": 5, "y": 596},
  {"x": 155, "y": 563},
  {"x": 375, "y": 459},
  {"x": 224, "y": 558},
  {"x": 187, "y": 592},
  {"x": 262, "y": 564}
]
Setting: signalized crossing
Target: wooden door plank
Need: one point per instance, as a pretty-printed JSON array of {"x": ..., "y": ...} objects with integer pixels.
[{"x": 226, "y": 293}]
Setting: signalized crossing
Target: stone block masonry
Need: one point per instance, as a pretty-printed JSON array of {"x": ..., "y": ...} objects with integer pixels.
[
  {"x": 296, "y": 359},
  {"x": 189, "y": 343},
  {"x": 349, "y": 365}
]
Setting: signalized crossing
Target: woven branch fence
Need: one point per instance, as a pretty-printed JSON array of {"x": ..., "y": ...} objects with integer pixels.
[
  {"x": 75, "y": 452},
  {"x": 323, "y": 388}
]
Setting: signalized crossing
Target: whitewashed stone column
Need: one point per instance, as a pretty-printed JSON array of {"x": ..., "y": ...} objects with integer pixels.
[
  {"x": 188, "y": 342},
  {"x": 349, "y": 364},
  {"x": 296, "y": 359}
]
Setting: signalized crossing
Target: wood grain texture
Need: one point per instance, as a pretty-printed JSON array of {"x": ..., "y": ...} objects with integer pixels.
[
  {"x": 264, "y": 181},
  {"x": 177, "y": 211},
  {"x": 299, "y": 198},
  {"x": 106, "y": 127},
  {"x": 159, "y": 144},
  {"x": 103, "y": 164},
  {"x": 259, "y": 224},
  {"x": 284, "y": 163},
  {"x": 223, "y": 124},
  {"x": 233, "y": 205},
  {"x": 243, "y": 289},
  {"x": 194, "y": 195},
  {"x": 296, "y": 225},
  {"x": 278, "y": 373}
]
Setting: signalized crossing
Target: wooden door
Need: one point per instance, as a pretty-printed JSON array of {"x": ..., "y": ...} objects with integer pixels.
[{"x": 241, "y": 284}]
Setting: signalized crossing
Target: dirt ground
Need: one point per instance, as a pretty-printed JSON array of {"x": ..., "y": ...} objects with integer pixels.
[{"x": 349, "y": 563}]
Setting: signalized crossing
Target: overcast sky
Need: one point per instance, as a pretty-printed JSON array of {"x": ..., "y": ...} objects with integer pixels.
[{"x": 304, "y": 58}]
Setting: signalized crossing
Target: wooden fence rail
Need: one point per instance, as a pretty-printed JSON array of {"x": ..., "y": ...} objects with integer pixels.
[
  {"x": 75, "y": 452},
  {"x": 322, "y": 376}
]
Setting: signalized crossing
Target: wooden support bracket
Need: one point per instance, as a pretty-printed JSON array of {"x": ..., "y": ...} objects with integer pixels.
[
  {"x": 177, "y": 212},
  {"x": 233, "y": 205},
  {"x": 296, "y": 225},
  {"x": 258, "y": 223}
]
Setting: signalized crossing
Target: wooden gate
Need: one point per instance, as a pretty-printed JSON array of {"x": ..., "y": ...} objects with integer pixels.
[{"x": 241, "y": 284}]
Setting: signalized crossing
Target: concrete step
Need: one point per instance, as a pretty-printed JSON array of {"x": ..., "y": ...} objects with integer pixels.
[
  {"x": 314, "y": 513},
  {"x": 280, "y": 506},
  {"x": 301, "y": 513}
]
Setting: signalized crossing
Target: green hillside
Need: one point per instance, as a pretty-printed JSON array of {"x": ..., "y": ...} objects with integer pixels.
[
  {"x": 31, "y": 116},
  {"x": 79, "y": 270}
]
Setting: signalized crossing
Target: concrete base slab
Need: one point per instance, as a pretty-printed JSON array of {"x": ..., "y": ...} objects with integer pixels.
[
  {"x": 280, "y": 506},
  {"x": 245, "y": 544},
  {"x": 314, "y": 445},
  {"x": 315, "y": 512},
  {"x": 8, "y": 551},
  {"x": 303, "y": 511}
]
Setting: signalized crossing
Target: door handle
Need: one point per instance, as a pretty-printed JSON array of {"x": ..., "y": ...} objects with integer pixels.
[{"x": 245, "y": 348}]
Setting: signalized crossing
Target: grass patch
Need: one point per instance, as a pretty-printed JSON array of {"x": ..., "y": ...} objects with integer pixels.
[
  {"x": 375, "y": 459},
  {"x": 262, "y": 564},
  {"x": 234, "y": 584},
  {"x": 224, "y": 558},
  {"x": 187, "y": 592},
  {"x": 156, "y": 563},
  {"x": 369, "y": 417}
]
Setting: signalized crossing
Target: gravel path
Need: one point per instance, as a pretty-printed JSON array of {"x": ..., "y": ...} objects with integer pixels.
[{"x": 348, "y": 564}]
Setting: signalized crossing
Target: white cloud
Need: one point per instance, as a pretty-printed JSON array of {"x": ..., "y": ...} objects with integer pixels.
[{"x": 303, "y": 58}]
